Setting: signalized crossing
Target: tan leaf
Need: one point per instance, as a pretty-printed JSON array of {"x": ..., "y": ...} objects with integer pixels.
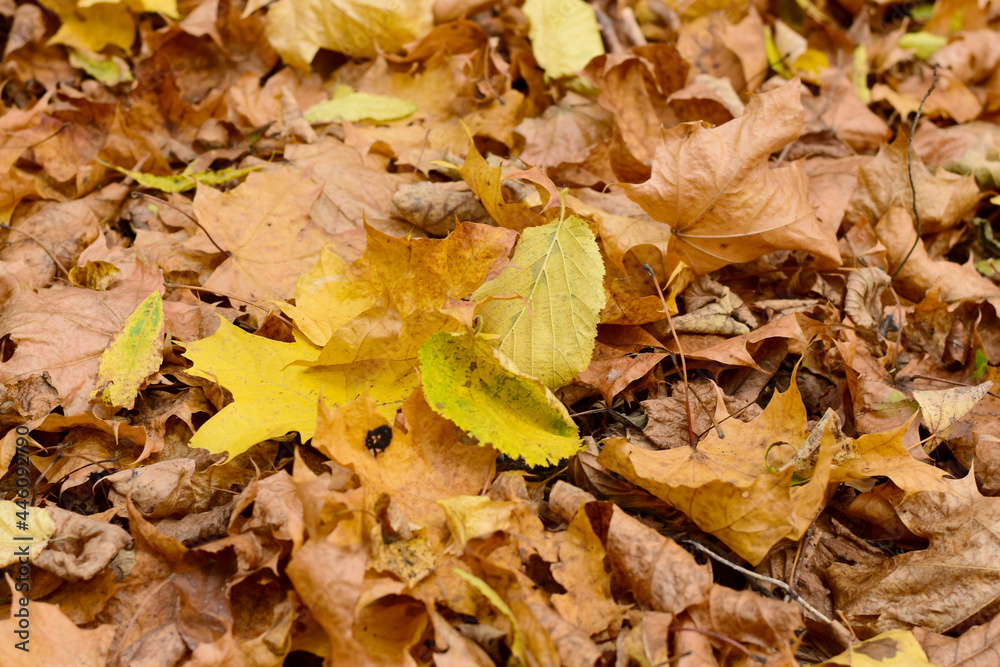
[{"x": 718, "y": 197}]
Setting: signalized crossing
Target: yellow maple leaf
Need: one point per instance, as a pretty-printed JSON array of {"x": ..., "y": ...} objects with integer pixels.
[{"x": 273, "y": 395}]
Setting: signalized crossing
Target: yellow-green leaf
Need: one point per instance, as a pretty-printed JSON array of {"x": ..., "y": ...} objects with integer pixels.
[
  {"x": 134, "y": 354},
  {"x": 353, "y": 106},
  {"x": 184, "y": 181},
  {"x": 16, "y": 524},
  {"x": 564, "y": 35},
  {"x": 549, "y": 332},
  {"x": 272, "y": 395},
  {"x": 109, "y": 70},
  {"x": 470, "y": 383},
  {"x": 517, "y": 643},
  {"x": 923, "y": 44}
]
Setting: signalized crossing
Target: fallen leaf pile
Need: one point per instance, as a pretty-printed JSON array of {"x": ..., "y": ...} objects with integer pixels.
[{"x": 499, "y": 332}]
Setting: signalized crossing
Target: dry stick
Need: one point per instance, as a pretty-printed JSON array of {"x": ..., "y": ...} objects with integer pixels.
[
  {"x": 760, "y": 577},
  {"x": 36, "y": 240},
  {"x": 951, "y": 382},
  {"x": 136, "y": 194},
  {"x": 909, "y": 172},
  {"x": 680, "y": 351}
]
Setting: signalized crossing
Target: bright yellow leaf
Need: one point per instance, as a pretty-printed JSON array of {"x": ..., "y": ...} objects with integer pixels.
[
  {"x": 470, "y": 383},
  {"x": 564, "y": 35},
  {"x": 273, "y": 395},
  {"x": 298, "y": 29},
  {"x": 895, "y": 648},
  {"x": 549, "y": 332}
]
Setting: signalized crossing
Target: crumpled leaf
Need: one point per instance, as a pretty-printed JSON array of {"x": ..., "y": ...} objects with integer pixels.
[
  {"x": 558, "y": 272},
  {"x": 943, "y": 408},
  {"x": 564, "y": 35},
  {"x": 718, "y": 198},
  {"x": 958, "y": 568},
  {"x": 862, "y": 295},
  {"x": 470, "y": 383},
  {"x": 135, "y": 353},
  {"x": 763, "y": 482},
  {"x": 298, "y": 29}
]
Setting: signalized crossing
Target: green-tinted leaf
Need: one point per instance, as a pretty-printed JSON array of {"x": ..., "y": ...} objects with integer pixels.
[
  {"x": 134, "y": 354},
  {"x": 558, "y": 273},
  {"x": 354, "y": 106},
  {"x": 470, "y": 383}
]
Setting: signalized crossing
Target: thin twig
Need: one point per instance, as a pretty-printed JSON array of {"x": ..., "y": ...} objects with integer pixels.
[
  {"x": 36, "y": 240},
  {"x": 951, "y": 382},
  {"x": 680, "y": 351},
  {"x": 760, "y": 577},
  {"x": 136, "y": 194},
  {"x": 909, "y": 172},
  {"x": 233, "y": 297}
]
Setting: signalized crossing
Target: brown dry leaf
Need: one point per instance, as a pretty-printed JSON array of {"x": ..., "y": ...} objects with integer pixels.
[
  {"x": 979, "y": 646},
  {"x": 766, "y": 626},
  {"x": 920, "y": 273},
  {"x": 63, "y": 330},
  {"x": 635, "y": 88},
  {"x": 717, "y": 196},
  {"x": 957, "y": 571},
  {"x": 660, "y": 573},
  {"x": 264, "y": 218},
  {"x": 622, "y": 354},
  {"x": 736, "y": 351},
  {"x": 83, "y": 546},
  {"x": 54, "y": 639},
  {"x": 943, "y": 199}
]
